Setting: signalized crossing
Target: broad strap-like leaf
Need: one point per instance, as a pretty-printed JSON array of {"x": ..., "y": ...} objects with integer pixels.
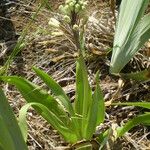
[
  {"x": 68, "y": 134},
  {"x": 131, "y": 33},
  {"x": 10, "y": 134},
  {"x": 96, "y": 113},
  {"x": 141, "y": 119},
  {"x": 83, "y": 99},
  {"x": 56, "y": 89},
  {"x": 143, "y": 29},
  {"x": 33, "y": 93}
]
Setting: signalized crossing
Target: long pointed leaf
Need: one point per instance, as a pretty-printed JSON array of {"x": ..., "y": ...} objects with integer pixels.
[
  {"x": 101, "y": 105},
  {"x": 33, "y": 93},
  {"x": 9, "y": 127},
  {"x": 142, "y": 119},
  {"x": 83, "y": 94},
  {"x": 6, "y": 141},
  {"x": 97, "y": 110},
  {"x": 56, "y": 89},
  {"x": 68, "y": 134}
]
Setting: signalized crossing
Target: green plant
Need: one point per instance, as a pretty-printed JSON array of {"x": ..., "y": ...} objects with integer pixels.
[
  {"x": 75, "y": 122},
  {"x": 10, "y": 133},
  {"x": 132, "y": 31}
]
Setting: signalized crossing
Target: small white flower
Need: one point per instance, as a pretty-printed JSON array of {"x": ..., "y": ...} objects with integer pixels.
[
  {"x": 75, "y": 27},
  {"x": 57, "y": 33},
  {"x": 54, "y": 23}
]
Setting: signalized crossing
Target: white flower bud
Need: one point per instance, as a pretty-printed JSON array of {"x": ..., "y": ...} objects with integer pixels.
[
  {"x": 58, "y": 33},
  {"x": 54, "y": 23},
  {"x": 83, "y": 8},
  {"x": 85, "y": 3},
  {"x": 75, "y": 27}
]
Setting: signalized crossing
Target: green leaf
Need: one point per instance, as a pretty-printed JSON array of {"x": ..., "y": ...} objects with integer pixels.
[
  {"x": 83, "y": 99},
  {"x": 139, "y": 104},
  {"x": 142, "y": 119},
  {"x": 33, "y": 93},
  {"x": 56, "y": 89},
  {"x": 5, "y": 137},
  {"x": 132, "y": 32},
  {"x": 68, "y": 134},
  {"x": 101, "y": 104},
  {"x": 141, "y": 76},
  {"x": 104, "y": 137},
  {"x": 96, "y": 112},
  {"x": 10, "y": 134}
]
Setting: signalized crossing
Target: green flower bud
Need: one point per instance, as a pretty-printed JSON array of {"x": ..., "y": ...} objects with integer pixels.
[
  {"x": 83, "y": 8},
  {"x": 71, "y": 6},
  {"x": 67, "y": 9},
  {"x": 81, "y": 2},
  {"x": 77, "y": 8},
  {"x": 61, "y": 8},
  {"x": 85, "y": 3},
  {"x": 67, "y": 19},
  {"x": 74, "y": 2},
  {"x": 68, "y": 1}
]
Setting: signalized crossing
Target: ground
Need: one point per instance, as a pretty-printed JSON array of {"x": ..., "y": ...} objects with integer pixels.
[{"x": 57, "y": 56}]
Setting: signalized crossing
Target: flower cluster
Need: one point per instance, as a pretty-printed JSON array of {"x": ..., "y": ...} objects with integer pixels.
[{"x": 72, "y": 6}]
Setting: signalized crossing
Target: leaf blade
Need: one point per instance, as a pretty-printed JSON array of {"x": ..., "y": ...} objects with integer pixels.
[
  {"x": 142, "y": 119},
  {"x": 56, "y": 89},
  {"x": 128, "y": 35},
  {"x": 8, "y": 119}
]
